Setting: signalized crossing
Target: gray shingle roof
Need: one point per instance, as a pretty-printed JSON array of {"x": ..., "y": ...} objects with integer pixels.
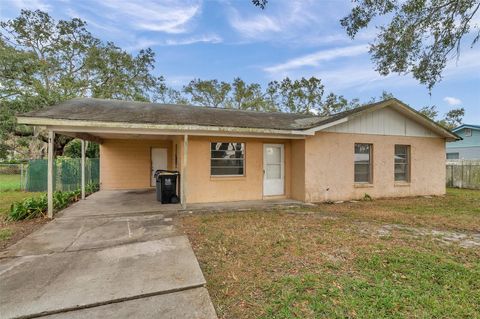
[{"x": 104, "y": 110}]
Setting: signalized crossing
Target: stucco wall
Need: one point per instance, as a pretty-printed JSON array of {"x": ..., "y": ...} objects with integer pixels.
[
  {"x": 298, "y": 170},
  {"x": 201, "y": 187},
  {"x": 329, "y": 166},
  {"x": 126, "y": 164}
]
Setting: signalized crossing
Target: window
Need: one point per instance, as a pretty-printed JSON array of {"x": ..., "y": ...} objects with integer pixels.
[
  {"x": 468, "y": 132},
  {"x": 402, "y": 163},
  {"x": 453, "y": 155},
  {"x": 363, "y": 163},
  {"x": 227, "y": 159}
]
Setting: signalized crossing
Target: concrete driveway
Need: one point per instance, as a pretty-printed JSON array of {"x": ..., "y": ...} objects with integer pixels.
[{"x": 114, "y": 255}]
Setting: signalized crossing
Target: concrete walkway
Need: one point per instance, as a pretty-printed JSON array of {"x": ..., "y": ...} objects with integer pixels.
[{"x": 109, "y": 256}]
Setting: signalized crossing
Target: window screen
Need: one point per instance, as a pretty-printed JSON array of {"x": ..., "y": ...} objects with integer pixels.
[
  {"x": 402, "y": 163},
  {"x": 227, "y": 159},
  {"x": 363, "y": 163}
]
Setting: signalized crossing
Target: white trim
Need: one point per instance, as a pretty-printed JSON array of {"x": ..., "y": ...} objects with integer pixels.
[
  {"x": 84, "y": 146},
  {"x": 166, "y": 129},
  {"x": 322, "y": 127},
  {"x": 51, "y": 158},
  {"x": 183, "y": 176}
]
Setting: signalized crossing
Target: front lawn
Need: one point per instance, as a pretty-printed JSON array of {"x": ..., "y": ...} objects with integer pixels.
[
  {"x": 392, "y": 258},
  {"x": 9, "y": 182}
]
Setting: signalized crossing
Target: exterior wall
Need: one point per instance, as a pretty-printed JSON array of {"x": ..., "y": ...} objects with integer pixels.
[
  {"x": 329, "y": 167},
  {"x": 385, "y": 121},
  {"x": 201, "y": 187},
  {"x": 465, "y": 153},
  {"x": 298, "y": 170},
  {"x": 469, "y": 147},
  {"x": 126, "y": 164}
]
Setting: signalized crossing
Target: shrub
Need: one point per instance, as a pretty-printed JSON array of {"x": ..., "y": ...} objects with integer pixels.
[
  {"x": 37, "y": 206},
  {"x": 28, "y": 208}
]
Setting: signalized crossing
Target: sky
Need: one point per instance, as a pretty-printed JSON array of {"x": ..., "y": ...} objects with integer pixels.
[{"x": 224, "y": 39}]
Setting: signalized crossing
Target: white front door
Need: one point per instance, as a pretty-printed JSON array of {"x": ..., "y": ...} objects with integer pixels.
[
  {"x": 273, "y": 169},
  {"x": 159, "y": 161}
]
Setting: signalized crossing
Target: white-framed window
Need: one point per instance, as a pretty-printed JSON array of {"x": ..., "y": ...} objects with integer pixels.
[
  {"x": 468, "y": 132},
  {"x": 363, "y": 163},
  {"x": 402, "y": 163},
  {"x": 227, "y": 159}
]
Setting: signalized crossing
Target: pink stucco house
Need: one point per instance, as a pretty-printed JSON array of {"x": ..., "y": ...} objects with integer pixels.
[{"x": 382, "y": 149}]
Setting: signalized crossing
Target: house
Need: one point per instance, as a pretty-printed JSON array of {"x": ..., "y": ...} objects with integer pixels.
[
  {"x": 381, "y": 149},
  {"x": 469, "y": 147}
]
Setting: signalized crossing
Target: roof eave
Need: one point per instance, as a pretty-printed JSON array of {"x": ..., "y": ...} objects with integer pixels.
[{"x": 170, "y": 128}]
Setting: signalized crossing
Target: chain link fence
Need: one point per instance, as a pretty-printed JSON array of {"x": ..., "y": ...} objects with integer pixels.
[
  {"x": 32, "y": 176},
  {"x": 13, "y": 177}
]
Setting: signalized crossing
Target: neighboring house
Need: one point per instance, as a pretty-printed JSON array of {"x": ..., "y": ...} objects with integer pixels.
[
  {"x": 382, "y": 149},
  {"x": 469, "y": 146}
]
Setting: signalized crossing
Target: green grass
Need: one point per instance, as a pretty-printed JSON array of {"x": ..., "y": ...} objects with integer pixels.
[
  {"x": 10, "y": 182},
  {"x": 9, "y": 197},
  {"x": 396, "y": 283},
  {"x": 331, "y": 261}
]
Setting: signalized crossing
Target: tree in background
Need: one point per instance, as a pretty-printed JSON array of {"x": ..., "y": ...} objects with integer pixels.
[
  {"x": 249, "y": 97},
  {"x": 450, "y": 120},
  {"x": 208, "y": 92},
  {"x": 418, "y": 37},
  {"x": 44, "y": 62},
  {"x": 74, "y": 149}
]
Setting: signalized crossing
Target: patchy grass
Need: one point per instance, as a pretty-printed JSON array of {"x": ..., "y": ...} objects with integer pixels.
[
  {"x": 337, "y": 261},
  {"x": 5, "y": 234},
  {"x": 9, "y": 182},
  {"x": 459, "y": 209}
]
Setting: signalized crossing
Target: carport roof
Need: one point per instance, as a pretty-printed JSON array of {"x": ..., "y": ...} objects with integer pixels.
[{"x": 103, "y": 111}]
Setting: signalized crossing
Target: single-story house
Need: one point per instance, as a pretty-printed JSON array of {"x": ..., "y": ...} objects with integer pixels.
[
  {"x": 469, "y": 147},
  {"x": 381, "y": 149}
]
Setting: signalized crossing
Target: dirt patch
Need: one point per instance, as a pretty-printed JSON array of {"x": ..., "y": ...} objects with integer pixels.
[
  {"x": 462, "y": 239},
  {"x": 20, "y": 229}
]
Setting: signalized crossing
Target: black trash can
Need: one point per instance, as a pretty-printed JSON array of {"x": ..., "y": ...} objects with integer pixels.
[{"x": 166, "y": 186}]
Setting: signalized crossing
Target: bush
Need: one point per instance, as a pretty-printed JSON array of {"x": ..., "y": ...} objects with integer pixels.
[
  {"x": 37, "y": 206},
  {"x": 28, "y": 208}
]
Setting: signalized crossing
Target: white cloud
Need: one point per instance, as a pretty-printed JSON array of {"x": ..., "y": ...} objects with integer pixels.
[
  {"x": 143, "y": 43},
  {"x": 314, "y": 59},
  {"x": 207, "y": 38},
  {"x": 292, "y": 23},
  {"x": 31, "y": 4},
  {"x": 453, "y": 101},
  {"x": 167, "y": 16},
  {"x": 255, "y": 26}
]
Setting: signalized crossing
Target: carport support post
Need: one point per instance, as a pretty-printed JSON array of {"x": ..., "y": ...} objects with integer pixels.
[
  {"x": 51, "y": 139},
  {"x": 83, "y": 169},
  {"x": 183, "y": 182}
]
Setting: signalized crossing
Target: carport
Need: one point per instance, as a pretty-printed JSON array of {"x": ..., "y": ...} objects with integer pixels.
[
  {"x": 97, "y": 135},
  {"x": 221, "y": 154}
]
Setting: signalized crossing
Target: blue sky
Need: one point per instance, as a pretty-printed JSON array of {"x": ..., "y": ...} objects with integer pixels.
[{"x": 225, "y": 39}]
